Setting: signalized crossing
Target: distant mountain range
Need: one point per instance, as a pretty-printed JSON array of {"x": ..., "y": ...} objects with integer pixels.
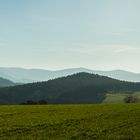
[
  {"x": 78, "y": 88},
  {"x": 20, "y": 75},
  {"x": 6, "y": 83}
]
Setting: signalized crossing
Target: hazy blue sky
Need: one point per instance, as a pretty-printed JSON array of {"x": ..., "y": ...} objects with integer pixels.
[{"x": 57, "y": 34}]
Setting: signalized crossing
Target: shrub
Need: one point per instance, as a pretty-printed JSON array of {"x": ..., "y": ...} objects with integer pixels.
[
  {"x": 131, "y": 99},
  {"x": 31, "y": 102},
  {"x": 42, "y": 102}
]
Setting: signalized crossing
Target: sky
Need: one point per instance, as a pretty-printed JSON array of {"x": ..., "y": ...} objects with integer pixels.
[{"x": 58, "y": 34}]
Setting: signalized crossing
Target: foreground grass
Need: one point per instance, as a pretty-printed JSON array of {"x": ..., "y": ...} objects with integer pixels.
[{"x": 70, "y": 122}]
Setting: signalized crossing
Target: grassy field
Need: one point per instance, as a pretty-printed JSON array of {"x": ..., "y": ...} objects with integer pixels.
[{"x": 70, "y": 122}]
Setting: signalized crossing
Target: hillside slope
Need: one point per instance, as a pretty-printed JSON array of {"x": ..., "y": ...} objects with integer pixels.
[
  {"x": 5, "y": 82},
  {"x": 77, "y": 88}
]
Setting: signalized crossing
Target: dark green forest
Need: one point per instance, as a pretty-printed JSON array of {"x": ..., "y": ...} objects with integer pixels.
[{"x": 74, "y": 89}]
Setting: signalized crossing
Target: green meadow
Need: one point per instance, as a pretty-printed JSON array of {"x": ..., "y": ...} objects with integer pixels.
[{"x": 70, "y": 122}]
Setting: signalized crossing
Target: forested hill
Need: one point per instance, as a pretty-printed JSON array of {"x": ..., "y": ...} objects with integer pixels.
[
  {"x": 77, "y": 88},
  {"x": 5, "y": 82}
]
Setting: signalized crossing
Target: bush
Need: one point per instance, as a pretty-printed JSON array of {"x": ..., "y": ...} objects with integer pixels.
[
  {"x": 31, "y": 102},
  {"x": 131, "y": 99},
  {"x": 41, "y": 102}
]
